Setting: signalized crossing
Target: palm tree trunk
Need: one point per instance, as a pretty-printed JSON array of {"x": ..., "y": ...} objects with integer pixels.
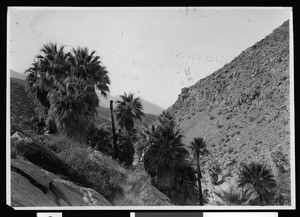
[
  {"x": 200, "y": 197},
  {"x": 113, "y": 130}
]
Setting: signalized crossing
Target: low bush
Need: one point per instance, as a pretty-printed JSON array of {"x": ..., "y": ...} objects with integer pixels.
[
  {"x": 95, "y": 170},
  {"x": 57, "y": 143}
]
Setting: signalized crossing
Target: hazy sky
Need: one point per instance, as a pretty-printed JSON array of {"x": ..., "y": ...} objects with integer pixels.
[{"x": 152, "y": 52}]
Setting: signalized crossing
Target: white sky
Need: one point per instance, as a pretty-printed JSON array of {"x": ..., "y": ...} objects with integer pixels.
[{"x": 152, "y": 52}]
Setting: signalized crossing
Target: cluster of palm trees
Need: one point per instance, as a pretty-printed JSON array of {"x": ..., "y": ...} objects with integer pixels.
[
  {"x": 64, "y": 85},
  {"x": 166, "y": 160},
  {"x": 255, "y": 186}
]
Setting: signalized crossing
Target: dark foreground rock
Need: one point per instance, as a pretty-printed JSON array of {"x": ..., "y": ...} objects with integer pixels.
[
  {"x": 24, "y": 193},
  {"x": 70, "y": 194},
  {"x": 31, "y": 186},
  {"x": 38, "y": 153}
]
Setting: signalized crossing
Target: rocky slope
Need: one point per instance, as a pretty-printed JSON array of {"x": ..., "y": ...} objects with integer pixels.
[
  {"x": 242, "y": 109},
  {"x": 20, "y": 99},
  {"x": 39, "y": 177}
]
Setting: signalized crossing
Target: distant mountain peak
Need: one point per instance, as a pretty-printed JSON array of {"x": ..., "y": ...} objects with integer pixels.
[
  {"x": 14, "y": 74},
  {"x": 148, "y": 107}
]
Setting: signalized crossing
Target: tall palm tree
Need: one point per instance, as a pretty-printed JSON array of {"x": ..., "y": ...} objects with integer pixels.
[
  {"x": 73, "y": 105},
  {"x": 164, "y": 155},
  {"x": 259, "y": 177},
  {"x": 48, "y": 67},
  {"x": 198, "y": 147},
  {"x": 128, "y": 109}
]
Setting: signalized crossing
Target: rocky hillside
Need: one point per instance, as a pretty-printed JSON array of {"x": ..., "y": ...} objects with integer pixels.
[
  {"x": 242, "y": 109},
  {"x": 20, "y": 99}
]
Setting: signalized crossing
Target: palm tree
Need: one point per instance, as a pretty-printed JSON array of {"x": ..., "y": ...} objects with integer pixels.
[
  {"x": 164, "y": 154},
  {"x": 100, "y": 138},
  {"x": 73, "y": 105},
  {"x": 87, "y": 66},
  {"x": 48, "y": 67},
  {"x": 128, "y": 109},
  {"x": 260, "y": 178},
  {"x": 166, "y": 119},
  {"x": 63, "y": 81},
  {"x": 198, "y": 147},
  {"x": 126, "y": 150},
  {"x": 235, "y": 196},
  {"x": 184, "y": 192}
]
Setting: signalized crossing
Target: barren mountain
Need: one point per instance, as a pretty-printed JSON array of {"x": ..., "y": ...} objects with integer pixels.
[{"x": 242, "y": 109}]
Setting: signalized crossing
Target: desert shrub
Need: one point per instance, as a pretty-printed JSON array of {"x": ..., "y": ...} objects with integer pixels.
[
  {"x": 214, "y": 169},
  {"x": 233, "y": 196},
  {"x": 251, "y": 118},
  {"x": 242, "y": 145},
  {"x": 100, "y": 138},
  {"x": 230, "y": 150},
  {"x": 281, "y": 168},
  {"x": 57, "y": 143},
  {"x": 95, "y": 170},
  {"x": 228, "y": 117},
  {"x": 254, "y": 149},
  {"x": 35, "y": 124}
]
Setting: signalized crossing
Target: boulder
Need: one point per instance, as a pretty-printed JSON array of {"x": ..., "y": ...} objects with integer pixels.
[
  {"x": 70, "y": 194},
  {"x": 35, "y": 174},
  {"x": 34, "y": 186},
  {"x": 23, "y": 193},
  {"x": 38, "y": 153}
]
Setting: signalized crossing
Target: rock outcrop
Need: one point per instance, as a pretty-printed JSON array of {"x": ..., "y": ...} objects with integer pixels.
[
  {"x": 38, "y": 153},
  {"x": 23, "y": 193},
  {"x": 31, "y": 186},
  {"x": 69, "y": 194}
]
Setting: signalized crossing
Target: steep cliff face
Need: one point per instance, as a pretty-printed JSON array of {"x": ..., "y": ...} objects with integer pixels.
[{"x": 242, "y": 109}]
